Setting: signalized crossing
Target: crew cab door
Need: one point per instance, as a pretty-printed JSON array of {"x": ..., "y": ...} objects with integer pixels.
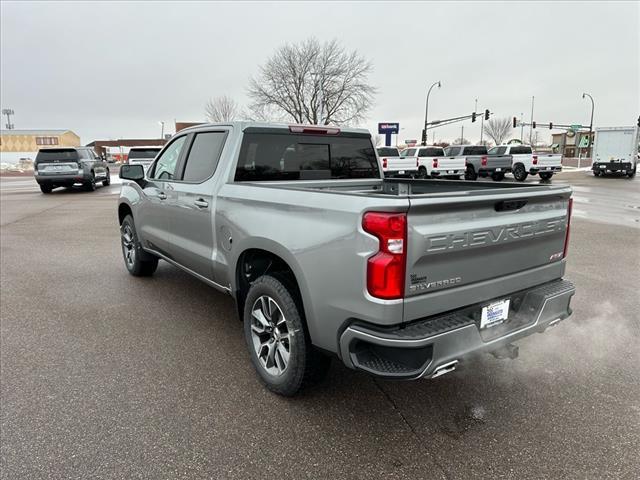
[
  {"x": 153, "y": 221},
  {"x": 191, "y": 203}
]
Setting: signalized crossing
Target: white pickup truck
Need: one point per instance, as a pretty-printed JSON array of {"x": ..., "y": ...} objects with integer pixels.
[
  {"x": 394, "y": 164},
  {"x": 432, "y": 162},
  {"x": 525, "y": 162}
]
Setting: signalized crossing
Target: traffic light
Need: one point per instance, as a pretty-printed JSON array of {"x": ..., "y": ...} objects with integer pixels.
[
  {"x": 486, "y": 114},
  {"x": 550, "y": 126},
  {"x": 515, "y": 122},
  {"x": 473, "y": 117},
  {"x": 424, "y": 137},
  {"x": 534, "y": 124},
  {"x": 639, "y": 121}
]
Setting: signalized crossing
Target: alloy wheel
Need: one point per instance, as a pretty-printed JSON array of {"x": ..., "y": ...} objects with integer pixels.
[
  {"x": 270, "y": 335},
  {"x": 128, "y": 246}
]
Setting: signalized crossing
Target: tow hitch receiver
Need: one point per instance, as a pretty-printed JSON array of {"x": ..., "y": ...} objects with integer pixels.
[{"x": 508, "y": 351}]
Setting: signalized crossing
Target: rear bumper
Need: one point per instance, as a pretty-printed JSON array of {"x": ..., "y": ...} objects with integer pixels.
[
  {"x": 61, "y": 179},
  {"x": 552, "y": 169},
  {"x": 407, "y": 172},
  {"x": 485, "y": 170},
  {"x": 612, "y": 167},
  {"x": 424, "y": 347},
  {"x": 443, "y": 172}
]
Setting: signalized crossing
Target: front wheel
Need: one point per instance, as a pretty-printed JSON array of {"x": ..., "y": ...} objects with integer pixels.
[
  {"x": 545, "y": 176},
  {"x": 519, "y": 173},
  {"x": 107, "y": 181},
  {"x": 280, "y": 348},
  {"x": 632, "y": 173},
  {"x": 138, "y": 262},
  {"x": 470, "y": 173}
]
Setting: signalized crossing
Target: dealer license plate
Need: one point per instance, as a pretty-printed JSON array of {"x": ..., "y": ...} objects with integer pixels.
[
  {"x": 494, "y": 314},
  {"x": 498, "y": 169}
]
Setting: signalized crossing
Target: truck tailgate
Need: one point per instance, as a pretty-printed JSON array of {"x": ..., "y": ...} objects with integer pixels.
[
  {"x": 457, "y": 244},
  {"x": 549, "y": 160},
  {"x": 499, "y": 161},
  {"x": 449, "y": 163}
]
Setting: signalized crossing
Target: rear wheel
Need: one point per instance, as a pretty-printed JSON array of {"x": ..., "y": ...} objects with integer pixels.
[
  {"x": 45, "y": 188},
  {"x": 596, "y": 173},
  {"x": 279, "y": 345},
  {"x": 107, "y": 181},
  {"x": 422, "y": 172},
  {"x": 138, "y": 262},
  {"x": 90, "y": 185},
  {"x": 519, "y": 173},
  {"x": 470, "y": 173},
  {"x": 545, "y": 176},
  {"x": 497, "y": 176}
]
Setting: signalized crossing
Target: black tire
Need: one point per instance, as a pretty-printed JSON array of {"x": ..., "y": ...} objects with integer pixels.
[
  {"x": 545, "y": 176},
  {"x": 304, "y": 365},
  {"x": 519, "y": 172},
  {"x": 422, "y": 172},
  {"x": 90, "y": 185},
  {"x": 138, "y": 262},
  {"x": 470, "y": 173},
  {"x": 497, "y": 176},
  {"x": 596, "y": 173},
  {"x": 44, "y": 188},
  {"x": 632, "y": 173},
  {"x": 107, "y": 181}
]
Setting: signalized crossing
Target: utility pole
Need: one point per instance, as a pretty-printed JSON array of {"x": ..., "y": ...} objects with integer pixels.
[
  {"x": 462, "y": 135},
  {"x": 531, "y": 127},
  {"x": 8, "y": 112},
  {"x": 521, "y": 127},
  {"x": 590, "y": 122}
]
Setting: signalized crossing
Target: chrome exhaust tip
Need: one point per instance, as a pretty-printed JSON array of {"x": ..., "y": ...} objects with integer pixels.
[{"x": 443, "y": 369}]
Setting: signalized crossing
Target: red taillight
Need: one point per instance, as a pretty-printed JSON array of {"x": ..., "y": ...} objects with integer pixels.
[
  {"x": 535, "y": 159},
  {"x": 386, "y": 269},
  {"x": 384, "y": 163},
  {"x": 311, "y": 130},
  {"x": 566, "y": 235},
  {"x": 435, "y": 163},
  {"x": 483, "y": 161},
  {"x": 417, "y": 162}
]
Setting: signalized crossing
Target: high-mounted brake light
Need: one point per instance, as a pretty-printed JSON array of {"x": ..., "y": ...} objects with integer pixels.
[
  {"x": 535, "y": 159},
  {"x": 483, "y": 161},
  {"x": 566, "y": 235},
  {"x": 386, "y": 269},
  {"x": 435, "y": 163},
  {"x": 311, "y": 130}
]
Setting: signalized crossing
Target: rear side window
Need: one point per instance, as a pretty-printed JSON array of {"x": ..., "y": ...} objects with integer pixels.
[
  {"x": 497, "y": 150},
  {"x": 409, "y": 152},
  {"x": 203, "y": 156},
  {"x": 475, "y": 150},
  {"x": 431, "y": 152},
  {"x": 452, "y": 151},
  {"x": 388, "y": 152},
  {"x": 520, "y": 150},
  {"x": 274, "y": 156},
  {"x": 146, "y": 153},
  {"x": 59, "y": 154}
]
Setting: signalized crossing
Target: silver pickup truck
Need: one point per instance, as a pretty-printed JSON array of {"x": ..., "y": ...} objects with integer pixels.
[
  {"x": 478, "y": 163},
  {"x": 325, "y": 257}
]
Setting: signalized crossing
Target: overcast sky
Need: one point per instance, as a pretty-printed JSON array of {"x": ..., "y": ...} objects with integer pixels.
[{"x": 113, "y": 70}]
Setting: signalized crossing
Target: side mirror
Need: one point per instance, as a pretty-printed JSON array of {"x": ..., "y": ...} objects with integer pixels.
[{"x": 132, "y": 172}]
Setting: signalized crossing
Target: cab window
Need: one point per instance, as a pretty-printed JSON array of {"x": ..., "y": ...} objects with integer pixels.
[{"x": 165, "y": 167}]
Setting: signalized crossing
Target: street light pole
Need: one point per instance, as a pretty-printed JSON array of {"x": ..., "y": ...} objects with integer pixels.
[
  {"x": 426, "y": 110},
  {"x": 162, "y": 129},
  {"x": 531, "y": 127},
  {"x": 591, "y": 121}
]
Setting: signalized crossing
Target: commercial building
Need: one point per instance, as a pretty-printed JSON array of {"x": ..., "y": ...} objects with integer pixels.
[
  {"x": 571, "y": 144},
  {"x": 24, "y": 144}
]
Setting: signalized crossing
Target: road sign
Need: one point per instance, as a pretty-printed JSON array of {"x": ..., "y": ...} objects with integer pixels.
[
  {"x": 584, "y": 141},
  {"x": 410, "y": 142},
  {"x": 576, "y": 127},
  {"x": 385, "y": 128}
]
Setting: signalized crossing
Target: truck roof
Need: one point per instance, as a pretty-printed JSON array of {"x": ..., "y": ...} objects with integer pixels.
[{"x": 243, "y": 125}]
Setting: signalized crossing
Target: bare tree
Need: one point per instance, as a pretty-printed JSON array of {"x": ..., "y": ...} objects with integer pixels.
[
  {"x": 221, "y": 109},
  {"x": 498, "y": 129},
  {"x": 377, "y": 139},
  {"x": 461, "y": 141},
  {"x": 313, "y": 82}
]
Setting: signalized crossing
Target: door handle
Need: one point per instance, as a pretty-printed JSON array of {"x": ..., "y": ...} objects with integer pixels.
[
  {"x": 162, "y": 196},
  {"x": 200, "y": 203}
]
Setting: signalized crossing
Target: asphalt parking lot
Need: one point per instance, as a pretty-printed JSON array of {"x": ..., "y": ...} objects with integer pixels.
[{"x": 103, "y": 375}]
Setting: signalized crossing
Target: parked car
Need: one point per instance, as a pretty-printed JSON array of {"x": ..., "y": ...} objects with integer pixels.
[
  {"x": 65, "y": 167},
  {"x": 323, "y": 256},
  {"x": 525, "y": 162},
  {"x": 478, "y": 163},
  {"x": 432, "y": 162},
  {"x": 394, "y": 164},
  {"x": 615, "y": 150},
  {"x": 142, "y": 155}
]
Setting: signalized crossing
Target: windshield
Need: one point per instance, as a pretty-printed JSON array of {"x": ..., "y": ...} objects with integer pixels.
[
  {"x": 431, "y": 152},
  {"x": 275, "y": 156},
  {"x": 388, "y": 152},
  {"x": 146, "y": 153},
  {"x": 59, "y": 154},
  {"x": 475, "y": 150}
]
